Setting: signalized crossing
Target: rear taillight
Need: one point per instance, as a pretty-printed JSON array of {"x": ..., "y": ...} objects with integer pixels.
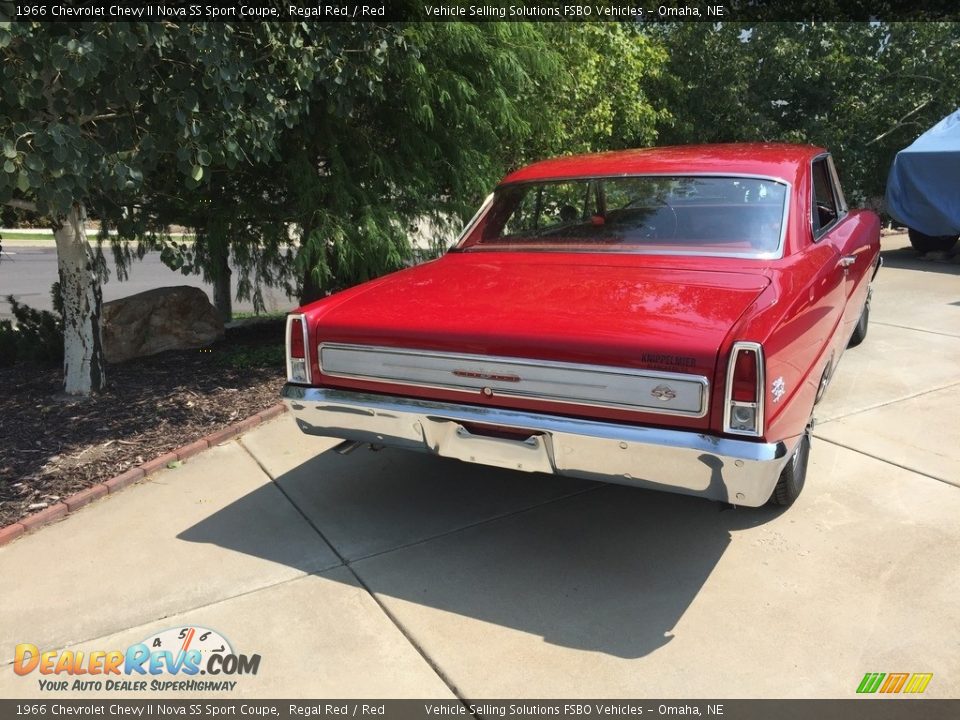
[
  {"x": 744, "y": 388},
  {"x": 743, "y": 412},
  {"x": 296, "y": 338},
  {"x": 298, "y": 363}
]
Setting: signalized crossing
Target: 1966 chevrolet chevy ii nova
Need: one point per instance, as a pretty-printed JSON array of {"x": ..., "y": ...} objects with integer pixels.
[{"x": 664, "y": 318}]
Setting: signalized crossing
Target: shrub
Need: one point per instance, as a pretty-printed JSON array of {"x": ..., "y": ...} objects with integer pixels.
[
  {"x": 248, "y": 358},
  {"x": 37, "y": 336}
]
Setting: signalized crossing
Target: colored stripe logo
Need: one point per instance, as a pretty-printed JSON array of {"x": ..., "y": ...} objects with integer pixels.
[{"x": 888, "y": 683}]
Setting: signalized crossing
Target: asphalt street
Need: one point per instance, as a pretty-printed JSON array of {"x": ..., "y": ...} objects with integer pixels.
[{"x": 27, "y": 272}]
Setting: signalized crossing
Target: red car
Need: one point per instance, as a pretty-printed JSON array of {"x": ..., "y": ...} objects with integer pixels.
[{"x": 665, "y": 318}]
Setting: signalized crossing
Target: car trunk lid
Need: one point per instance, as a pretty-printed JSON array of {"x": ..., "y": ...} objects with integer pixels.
[{"x": 608, "y": 331}]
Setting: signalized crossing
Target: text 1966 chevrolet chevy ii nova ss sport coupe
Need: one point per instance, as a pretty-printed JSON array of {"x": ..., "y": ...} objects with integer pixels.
[{"x": 665, "y": 318}]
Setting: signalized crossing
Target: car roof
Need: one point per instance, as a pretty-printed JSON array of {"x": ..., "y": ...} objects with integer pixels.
[{"x": 776, "y": 160}]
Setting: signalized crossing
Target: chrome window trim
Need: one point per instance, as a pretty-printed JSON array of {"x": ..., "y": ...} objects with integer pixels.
[
  {"x": 603, "y": 176},
  {"x": 773, "y": 255},
  {"x": 761, "y": 389},
  {"x": 465, "y": 357},
  {"x": 838, "y": 198},
  {"x": 306, "y": 346},
  {"x": 481, "y": 211},
  {"x": 837, "y": 189},
  {"x": 770, "y": 255}
]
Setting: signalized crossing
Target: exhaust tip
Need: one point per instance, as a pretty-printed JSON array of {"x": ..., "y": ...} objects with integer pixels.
[{"x": 347, "y": 447}]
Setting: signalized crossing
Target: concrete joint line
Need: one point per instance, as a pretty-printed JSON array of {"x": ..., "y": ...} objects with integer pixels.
[
  {"x": 888, "y": 402},
  {"x": 915, "y": 471},
  {"x": 907, "y": 327},
  {"x": 431, "y": 663}
]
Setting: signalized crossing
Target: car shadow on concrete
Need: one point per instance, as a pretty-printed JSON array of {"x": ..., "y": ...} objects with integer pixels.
[
  {"x": 906, "y": 258},
  {"x": 603, "y": 568}
]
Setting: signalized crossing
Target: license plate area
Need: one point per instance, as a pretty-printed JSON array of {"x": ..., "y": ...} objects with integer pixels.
[{"x": 449, "y": 438}]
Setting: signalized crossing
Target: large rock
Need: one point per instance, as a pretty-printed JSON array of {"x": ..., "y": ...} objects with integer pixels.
[{"x": 169, "y": 318}]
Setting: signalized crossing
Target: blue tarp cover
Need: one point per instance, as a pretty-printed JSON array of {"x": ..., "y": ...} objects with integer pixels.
[{"x": 923, "y": 189}]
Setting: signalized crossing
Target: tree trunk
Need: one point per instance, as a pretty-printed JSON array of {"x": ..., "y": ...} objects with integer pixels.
[
  {"x": 220, "y": 275},
  {"x": 83, "y": 366}
]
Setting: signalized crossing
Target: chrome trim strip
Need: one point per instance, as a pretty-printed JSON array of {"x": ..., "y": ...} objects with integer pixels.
[
  {"x": 842, "y": 206},
  {"x": 771, "y": 255},
  {"x": 484, "y": 206},
  {"x": 761, "y": 388},
  {"x": 613, "y": 251},
  {"x": 602, "y": 370},
  {"x": 568, "y": 178},
  {"x": 306, "y": 346},
  {"x": 743, "y": 472}
]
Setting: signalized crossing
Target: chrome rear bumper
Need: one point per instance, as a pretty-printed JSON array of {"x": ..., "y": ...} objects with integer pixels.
[{"x": 736, "y": 471}]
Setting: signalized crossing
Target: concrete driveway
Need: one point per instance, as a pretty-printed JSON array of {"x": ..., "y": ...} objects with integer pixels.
[{"x": 399, "y": 575}]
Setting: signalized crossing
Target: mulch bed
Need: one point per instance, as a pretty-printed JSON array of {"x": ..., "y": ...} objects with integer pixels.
[{"x": 50, "y": 448}]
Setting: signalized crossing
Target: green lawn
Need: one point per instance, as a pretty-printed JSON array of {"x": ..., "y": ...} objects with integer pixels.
[{"x": 25, "y": 236}]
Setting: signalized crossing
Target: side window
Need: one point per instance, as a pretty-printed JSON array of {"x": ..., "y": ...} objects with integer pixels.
[{"x": 824, "y": 201}]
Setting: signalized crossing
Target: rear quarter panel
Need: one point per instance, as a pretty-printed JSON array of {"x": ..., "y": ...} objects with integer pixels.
[{"x": 800, "y": 318}]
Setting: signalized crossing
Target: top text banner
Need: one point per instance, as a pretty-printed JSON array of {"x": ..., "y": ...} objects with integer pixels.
[
  {"x": 582, "y": 709},
  {"x": 490, "y": 11}
]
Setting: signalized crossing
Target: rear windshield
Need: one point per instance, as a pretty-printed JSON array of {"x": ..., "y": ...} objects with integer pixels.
[{"x": 732, "y": 216}]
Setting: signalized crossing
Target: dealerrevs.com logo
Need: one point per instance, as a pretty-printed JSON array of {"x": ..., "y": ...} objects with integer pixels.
[{"x": 171, "y": 660}]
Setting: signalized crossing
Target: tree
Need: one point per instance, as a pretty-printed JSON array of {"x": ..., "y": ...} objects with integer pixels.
[
  {"x": 240, "y": 218},
  {"x": 437, "y": 114},
  {"x": 421, "y": 121},
  {"x": 403, "y": 122},
  {"x": 99, "y": 116},
  {"x": 863, "y": 90},
  {"x": 348, "y": 132},
  {"x": 602, "y": 98}
]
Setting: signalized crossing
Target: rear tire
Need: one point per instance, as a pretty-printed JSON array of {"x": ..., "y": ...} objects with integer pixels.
[
  {"x": 793, "y": 475},
  {"x": 860, "y": 331},
  {"x": 930, "y": 243}
]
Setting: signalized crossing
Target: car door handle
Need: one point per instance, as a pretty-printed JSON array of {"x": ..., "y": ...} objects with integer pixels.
[{"x": 847, "y": 260}]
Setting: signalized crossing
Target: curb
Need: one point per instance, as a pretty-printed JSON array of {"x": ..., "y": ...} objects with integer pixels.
[{"x": 61, "y": 509}]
